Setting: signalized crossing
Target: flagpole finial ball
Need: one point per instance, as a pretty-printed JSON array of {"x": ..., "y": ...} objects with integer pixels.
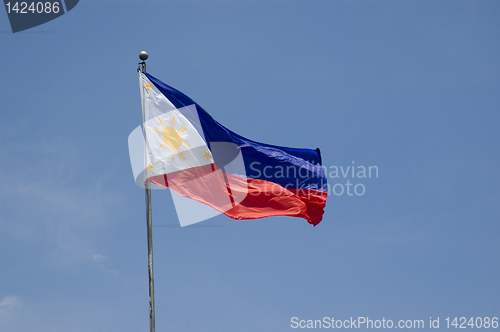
[{"x": 143, "y": 55}]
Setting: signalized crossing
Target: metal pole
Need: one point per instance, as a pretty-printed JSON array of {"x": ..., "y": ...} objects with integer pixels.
[
  {"x": 150, "y": 259},
  {"x": 143, "y": 56}
]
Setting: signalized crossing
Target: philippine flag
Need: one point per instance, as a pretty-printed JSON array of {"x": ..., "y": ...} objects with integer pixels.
[{"x": 189, "y": 152}]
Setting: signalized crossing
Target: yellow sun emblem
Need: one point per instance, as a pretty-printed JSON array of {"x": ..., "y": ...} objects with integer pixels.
[{"x": 172, "y": 137}]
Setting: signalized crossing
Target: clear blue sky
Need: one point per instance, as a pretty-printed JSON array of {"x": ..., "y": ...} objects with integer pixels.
[{"x": 411, "y": 87}]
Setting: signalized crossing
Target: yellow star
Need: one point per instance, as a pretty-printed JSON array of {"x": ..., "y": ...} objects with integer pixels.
[
  {"x": 207, "y": 155},
  {"x": 147, "y": 86},
  {"x": 149, "y": 168}
]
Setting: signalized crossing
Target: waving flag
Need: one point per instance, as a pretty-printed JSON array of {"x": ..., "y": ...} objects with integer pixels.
[{"x": 198, "y": 158}]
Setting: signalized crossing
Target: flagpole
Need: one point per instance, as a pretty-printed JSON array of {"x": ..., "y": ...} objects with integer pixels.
[{"x": 143, "y": 56}]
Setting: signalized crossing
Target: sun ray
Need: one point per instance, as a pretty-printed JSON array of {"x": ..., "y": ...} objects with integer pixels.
[
  {"x": 182, "y": 153},
  {"x": 162, "y": 123}
]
